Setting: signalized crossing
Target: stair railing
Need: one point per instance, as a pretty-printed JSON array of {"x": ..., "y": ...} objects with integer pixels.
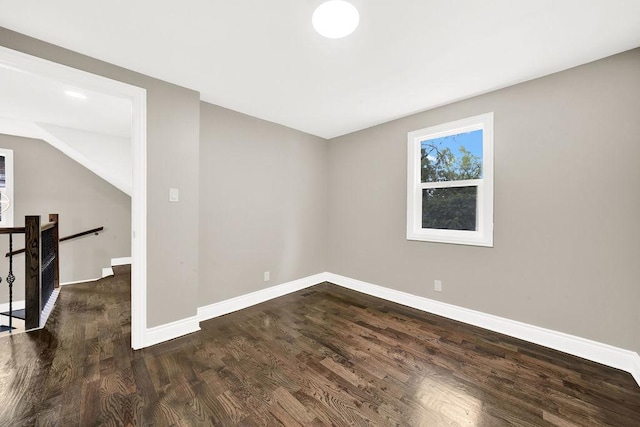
[
  {"x": 41, "y": 266},
  {"x": 10, "y": 276},
  {"x": 95, "y": 231}
]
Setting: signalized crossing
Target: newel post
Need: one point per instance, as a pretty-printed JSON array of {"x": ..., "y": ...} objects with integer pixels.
[
  {"x": 32, "y": 271},
  {"x": 56, "y": 247}
]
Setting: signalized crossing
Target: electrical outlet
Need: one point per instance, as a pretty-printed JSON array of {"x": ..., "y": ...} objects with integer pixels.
[
  {"x": 437, "y": 285},
  {"x": 266, "y": 276}
]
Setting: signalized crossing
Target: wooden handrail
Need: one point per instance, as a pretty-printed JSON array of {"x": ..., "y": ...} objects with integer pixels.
[
  {"x": 47, "y": 226},
  {"x": 73, "y": 236},
  {"x": 12, "y": 230},
  {"x": 84, "y": 233}
]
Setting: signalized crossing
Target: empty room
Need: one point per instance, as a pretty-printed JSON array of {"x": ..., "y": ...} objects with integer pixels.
[{"x": 311, "y": 212}]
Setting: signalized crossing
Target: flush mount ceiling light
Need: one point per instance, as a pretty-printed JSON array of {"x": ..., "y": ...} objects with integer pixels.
[
  {"x": 74, "y": 94},
  {"x": 335, "y": 19}
]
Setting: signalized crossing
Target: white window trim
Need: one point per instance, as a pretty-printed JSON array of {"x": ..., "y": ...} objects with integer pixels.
[
  {"x": 483, "y": 236},
  {"x": 7, "y": 216}
]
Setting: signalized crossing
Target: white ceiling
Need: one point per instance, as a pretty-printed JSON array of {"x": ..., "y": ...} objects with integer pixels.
[
  {"x": 94, "y": 131},
  {"x": 27, "y": 98},
  {"x": 263, "y": 58}
]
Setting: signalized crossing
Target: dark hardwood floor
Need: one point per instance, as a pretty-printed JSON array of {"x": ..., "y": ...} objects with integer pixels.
[{"x": 322, "y": 356}]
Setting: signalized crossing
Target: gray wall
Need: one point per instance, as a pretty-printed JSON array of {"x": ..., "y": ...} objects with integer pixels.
[
  {"x": 566, "y": 212},
  {"x": 172, "y": 161},
  {"x": 47, "y": 181},
  {"x": 263, "y": 198},
  {"x": 566, "y": 202}
]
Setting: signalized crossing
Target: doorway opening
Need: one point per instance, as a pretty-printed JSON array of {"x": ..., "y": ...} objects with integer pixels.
[{"x": 24, "y": 63}]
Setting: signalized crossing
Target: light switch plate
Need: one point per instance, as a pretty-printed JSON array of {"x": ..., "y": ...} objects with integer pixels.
[{"x": 174, "y": 195}]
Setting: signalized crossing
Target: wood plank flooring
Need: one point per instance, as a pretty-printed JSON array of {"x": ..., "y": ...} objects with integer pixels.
[{"x": 321, "y": 356}]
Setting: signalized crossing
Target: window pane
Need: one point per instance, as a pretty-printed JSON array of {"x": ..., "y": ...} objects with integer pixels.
[
  {"x": 452, "y": 158},
  {"x": 2, "y": 173},
  {"x": 3, "y": 184},
  {"x": 449, "y": 208}
]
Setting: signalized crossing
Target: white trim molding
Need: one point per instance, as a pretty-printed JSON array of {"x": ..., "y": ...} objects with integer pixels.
[
  {"x": 108, "y": 271},
  {"x": 482, "y": 235},
  {"x": 169, "y": 331},
  {"x": 189, "y": 325},
  {"x": 605, "y": 354},
  {"x": 243, "y": 301},
  {"x": 139, "y": 218},
  {"x": 7, "y": 190},
  {"x": 635, "y": 368},
  {"x": 120, "y": 261},
  {"x": 76, "y": 282}
]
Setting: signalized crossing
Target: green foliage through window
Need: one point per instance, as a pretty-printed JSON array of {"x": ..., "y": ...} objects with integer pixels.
[
  {"x": 448, "y": 159},
  {"x": 450, "y": 182},
  {"x": 452, "y": 158},
  {"x": 452, "y": 208}
]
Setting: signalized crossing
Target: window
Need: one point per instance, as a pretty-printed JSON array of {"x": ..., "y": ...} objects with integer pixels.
[
  {"x": 6, "y": 188},
  {"x": 450, "y": 182}
]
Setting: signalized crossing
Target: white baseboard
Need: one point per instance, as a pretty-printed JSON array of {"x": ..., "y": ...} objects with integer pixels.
[
  {"x": 80, "y": 281},
  {"x": 108, "y": 271},
  {"x": 17, "y": 305},
  {"x": 605, "y": 354},
  {"x": 120, "y": 261},
  {"x": 257, "y": 297},
  {"x": 169, "y": 331},
  {"x": 635, "y": 369},
  {"x": 182, "y": 327}
]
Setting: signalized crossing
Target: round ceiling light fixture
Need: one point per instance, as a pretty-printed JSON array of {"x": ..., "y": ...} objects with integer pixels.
[{"x": 335, "y": 19}]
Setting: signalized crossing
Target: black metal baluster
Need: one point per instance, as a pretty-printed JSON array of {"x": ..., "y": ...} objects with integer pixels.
[{"x": 10, "y": 279}]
